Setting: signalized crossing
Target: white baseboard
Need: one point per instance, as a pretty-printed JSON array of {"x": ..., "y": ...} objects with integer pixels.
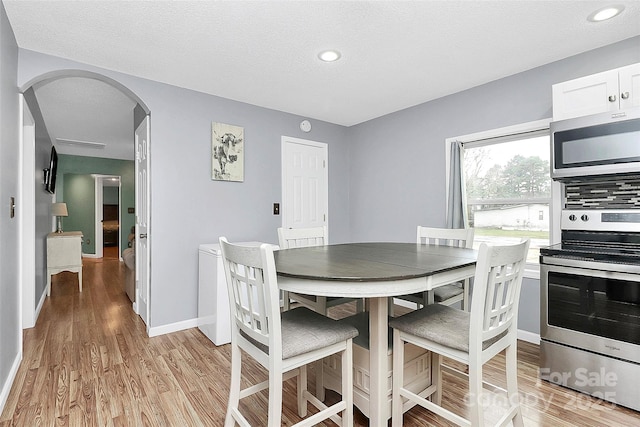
[
  {"x": 39, "y": 307},
  {"x": 173, "y": 327},
  {"x": 94, "y": 256},
  {"x": 6, "y": 387},
  {"x": 527, "y": 336}
]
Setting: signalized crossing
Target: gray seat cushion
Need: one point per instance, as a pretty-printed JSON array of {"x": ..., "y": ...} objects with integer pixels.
[
  {"x": 331, "y": 301},
  {"x": 443, "y": 293},
  {"x": 304, "y": 330},
  {"x": 441, "y": 324}
]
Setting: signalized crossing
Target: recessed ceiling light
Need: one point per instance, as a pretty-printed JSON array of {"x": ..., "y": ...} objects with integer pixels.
[
  {"x": 605, "y": 13},
  {"x": 329, "y": 55}
]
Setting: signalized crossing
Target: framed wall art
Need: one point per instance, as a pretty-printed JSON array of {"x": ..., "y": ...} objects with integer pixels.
[{"x": 227, "y": 152}]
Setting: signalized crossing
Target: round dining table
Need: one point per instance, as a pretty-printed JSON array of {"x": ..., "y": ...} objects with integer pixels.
[{"x": 375, "y": 271}]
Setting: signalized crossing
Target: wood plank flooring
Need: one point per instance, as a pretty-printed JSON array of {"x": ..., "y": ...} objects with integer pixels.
[
  {"x": 110, "y": 252},
  {"x": 88, "y": 362}
]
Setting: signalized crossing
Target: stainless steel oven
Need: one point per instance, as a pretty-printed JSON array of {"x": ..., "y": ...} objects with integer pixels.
[{"x": 590, "y": 305}]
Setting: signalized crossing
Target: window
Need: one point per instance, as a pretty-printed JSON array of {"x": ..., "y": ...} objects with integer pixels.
[{"x": 508, "y": 185}]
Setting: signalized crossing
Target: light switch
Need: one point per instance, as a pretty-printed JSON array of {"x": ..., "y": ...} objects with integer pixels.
[
  {"x": 13, "y": 207},
  {"x": 276, "y": 208}
]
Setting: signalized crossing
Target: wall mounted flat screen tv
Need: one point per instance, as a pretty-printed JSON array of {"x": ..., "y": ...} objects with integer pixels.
[{"x": 50, "y": 173}]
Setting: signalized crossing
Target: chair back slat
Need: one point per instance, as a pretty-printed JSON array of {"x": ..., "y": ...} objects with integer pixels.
[
  {"x": 302, "y": 237},
  {"x": 456, "y": 237},
  {"x": 252, "y": 289},
  {"x": 497, "y": 284},
  {"x": 248, "y": 284}
]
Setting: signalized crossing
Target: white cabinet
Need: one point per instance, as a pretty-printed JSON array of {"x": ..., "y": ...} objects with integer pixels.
[
  {"x": 630, "y": 86},
  {"x": 64, "y": 253},
  {"x": 598, "y": 93},
  {"x": 214, "y": 317}
]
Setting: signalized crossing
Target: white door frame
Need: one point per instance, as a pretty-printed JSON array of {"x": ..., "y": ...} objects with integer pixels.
[
  {"x": 99, "y": 217},
  {"x": 97, "y": 220},
  {"x": 27, "y": 218},
  {"x": 286, "y": 140}
]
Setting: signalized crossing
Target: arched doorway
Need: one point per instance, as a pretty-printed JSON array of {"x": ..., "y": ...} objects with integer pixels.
[{"x": 35, "y": 218}]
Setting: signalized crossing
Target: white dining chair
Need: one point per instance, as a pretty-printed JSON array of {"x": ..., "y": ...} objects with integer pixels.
[
  {"x": 471, "y": 338},
  {"x": 454, "y": 292},
  {"x": 304, "y": 237},
  {"x": 283, "y": 343}
]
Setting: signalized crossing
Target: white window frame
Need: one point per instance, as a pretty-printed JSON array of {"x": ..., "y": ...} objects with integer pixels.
[{"x": 492, "y": 136}]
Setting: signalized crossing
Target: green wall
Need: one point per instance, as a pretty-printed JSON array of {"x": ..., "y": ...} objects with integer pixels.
[
  {"x": 78, "y": 170},
  {"x": 80, "y": 195}
]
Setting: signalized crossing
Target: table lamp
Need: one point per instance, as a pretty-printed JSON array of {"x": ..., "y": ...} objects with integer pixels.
[{"x": 59, "y": 210}]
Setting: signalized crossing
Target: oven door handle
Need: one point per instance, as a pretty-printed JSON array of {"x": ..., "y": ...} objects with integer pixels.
[{"x": 595, "y": 266}]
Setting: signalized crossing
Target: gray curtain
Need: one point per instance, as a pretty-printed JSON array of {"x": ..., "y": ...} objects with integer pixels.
[{"x": 456, "y": 212}]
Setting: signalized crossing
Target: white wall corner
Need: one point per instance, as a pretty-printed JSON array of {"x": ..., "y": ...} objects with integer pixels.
[{"x": 43, "y": 298}]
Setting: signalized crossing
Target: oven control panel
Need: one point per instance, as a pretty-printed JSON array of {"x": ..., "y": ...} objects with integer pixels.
[{"x": 601, "y": 220}]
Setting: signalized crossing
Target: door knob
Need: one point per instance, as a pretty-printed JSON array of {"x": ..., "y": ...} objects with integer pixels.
[
  {"x": 143, "y": 235},
  {"x": 612, "y": 98},
  {"x": 624, "y": 95}
]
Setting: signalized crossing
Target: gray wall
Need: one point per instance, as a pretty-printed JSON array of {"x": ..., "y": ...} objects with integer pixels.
[
  {"x": 80, "y": 197},
  {"x": 398, "y": 161},
  {"x": 187, "y": 207},
  {"x": 9, "y": 227},
  {"x": 385, "y": 176}
]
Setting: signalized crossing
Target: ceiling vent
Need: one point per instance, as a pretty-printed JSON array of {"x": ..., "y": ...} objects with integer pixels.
[{"x": 76, "y": 143}]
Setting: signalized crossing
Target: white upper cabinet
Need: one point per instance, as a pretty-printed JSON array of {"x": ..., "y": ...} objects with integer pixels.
[
  {"x": 607, "y": 91},
  {"x": 630, "y": 86}
]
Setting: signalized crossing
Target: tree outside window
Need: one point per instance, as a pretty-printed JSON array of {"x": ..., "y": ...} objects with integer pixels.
[{"x": 508, "y": 188}]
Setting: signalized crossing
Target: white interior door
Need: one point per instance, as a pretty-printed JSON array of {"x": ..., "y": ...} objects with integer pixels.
[
  {"x": 305, "y": 183},
  {"x": 142, "y": 221}
]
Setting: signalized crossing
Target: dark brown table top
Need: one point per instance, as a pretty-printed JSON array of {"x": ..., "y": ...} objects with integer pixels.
[{"x": 375, "y": 261}]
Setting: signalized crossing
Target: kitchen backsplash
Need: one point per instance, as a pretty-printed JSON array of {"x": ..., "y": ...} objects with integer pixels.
[{"x": 603, "y": 193}]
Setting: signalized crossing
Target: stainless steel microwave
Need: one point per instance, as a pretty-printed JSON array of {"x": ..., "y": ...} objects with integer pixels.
[{"x": 600, "y": 144}]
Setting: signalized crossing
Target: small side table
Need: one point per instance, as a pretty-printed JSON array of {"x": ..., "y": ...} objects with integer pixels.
[{"x": 64, "y": 253}]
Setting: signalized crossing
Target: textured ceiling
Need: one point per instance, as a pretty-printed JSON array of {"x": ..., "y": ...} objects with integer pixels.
[
  {"x": 394, "y": 54},
  {"x": 82, "y": 109}
]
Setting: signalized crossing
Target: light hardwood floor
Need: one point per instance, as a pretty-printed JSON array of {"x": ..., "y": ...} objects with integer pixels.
[{"x": 88, "y": 362}]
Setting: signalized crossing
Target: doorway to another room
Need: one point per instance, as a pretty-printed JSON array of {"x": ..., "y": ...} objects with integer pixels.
[
  {"x": 93, "y": 134},
  {"x": 110, "y": 222}
]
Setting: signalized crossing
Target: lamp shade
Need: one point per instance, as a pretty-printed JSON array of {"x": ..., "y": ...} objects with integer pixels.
[{"x": 59, "y": 209}]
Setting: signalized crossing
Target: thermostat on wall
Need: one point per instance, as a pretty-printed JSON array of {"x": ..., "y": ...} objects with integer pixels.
[{"x": 305, "y": 125}]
